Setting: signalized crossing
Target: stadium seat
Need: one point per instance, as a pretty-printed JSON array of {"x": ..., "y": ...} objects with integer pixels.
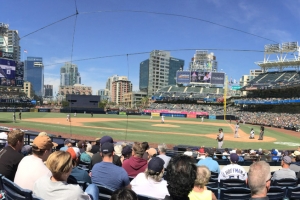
[
  {"x": 286, "y": 182},
  {"x": 104, "y": 192},
  {"x": 293, "y": 193},
  {"x": 142, "y": 197},
  {"x": 235, "y": 193},
  {"x": 214, "y": 190},
  {"x": 13, "y": 191},
  {"x": 213, "y": 183},
  {"x": 228, "y": 183},
  {"x": 1, "y": 184},
  {"x": 276, "y": 193},
  {"x": 214, "y": 175}
]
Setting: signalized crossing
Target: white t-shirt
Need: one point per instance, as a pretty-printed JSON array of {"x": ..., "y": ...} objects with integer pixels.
[
  {"x": 232, "y": 171},
  {"x": 46, "y": 189},
  {"x": 166, "y": 159},
  {"x": 30, "y": 169},
  {"x": 143, "y": 186},
  {"x": 3, "y": 137}
]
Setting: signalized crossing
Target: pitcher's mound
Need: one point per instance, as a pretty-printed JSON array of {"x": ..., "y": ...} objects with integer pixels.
[{"x": 165, "y": 125}]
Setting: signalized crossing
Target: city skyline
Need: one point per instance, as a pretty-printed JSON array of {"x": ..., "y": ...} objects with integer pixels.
[{"x": 101, "y": 34}]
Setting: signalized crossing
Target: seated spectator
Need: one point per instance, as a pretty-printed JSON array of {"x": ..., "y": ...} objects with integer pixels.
[
  {"x": 266, "y": 156},
  {"x": 181, "y": 176},
  {"x": 211, "y": 164},
  {"x": 81, "y": 145},
  {"x": 295, "y": 166},
  {"x": 108, "y": 174},
  {"x": 118, "y": 150},
  {"x": 97, "y": 157},
  {"x": 151, "y": 183},
  {"x": 259, "y": 180},
  {"x": 145, "y": 146},
  {"x": 233, "y": 170},
  {"x": 124, "y": 194},
  {"x": 200, "y": 191},
  {"x": 285, "y": 172},
  {"x": 68, "y": 143},
  {"x": 10, "y": 156},
  {"x": 77, "y": 172},
  {"x": 135, "y": 164},
  {"x": 126, "y": 153},
  {"x": 162, "y": 149},
  {"x": 151, "y": 153},
  {"x": 225, "y": 154},
  {"x": 32, "y": 167},
  {"x": 239, "y": 153},
  {"x": 55, "y": 187},
  {"x": 88, "y": 150},
  {"x": 96, "y": 146}
]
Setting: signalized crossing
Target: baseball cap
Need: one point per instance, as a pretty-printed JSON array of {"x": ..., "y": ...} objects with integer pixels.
[
  {"x": 74, "y": 151},
  {"x": 220, "y": 129},
  {"x": 118, "y": 150},
  {"x": 107, "y": 147},
  {"x": 105, "y": 139},
  {"x": 67, "y": 141},
  {"x": 296, "y": 153},
  {"x": 126, "y": 150},
  {"x": 156, "y": 164},
  {"x": 43, "y": 134},
  {"x": 287, "y": 159},
  {"x": 42, "y": 143},
  {"x": 151, "y": 151},
  {"x": 209, "y": 152},
  {"x": 234, "y": 157},
  {"x": 97, "y": 139}
]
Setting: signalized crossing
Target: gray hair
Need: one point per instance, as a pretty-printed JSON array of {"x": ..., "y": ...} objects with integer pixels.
[
  {"x": 162, "y": 148},
  {"x": 258, "y": 175}
]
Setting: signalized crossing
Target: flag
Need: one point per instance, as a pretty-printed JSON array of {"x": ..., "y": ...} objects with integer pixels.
[{"x": 25, "y": 51}]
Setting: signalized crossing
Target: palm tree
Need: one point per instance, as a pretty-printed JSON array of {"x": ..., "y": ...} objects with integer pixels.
[{"x": 145, "y": 101}]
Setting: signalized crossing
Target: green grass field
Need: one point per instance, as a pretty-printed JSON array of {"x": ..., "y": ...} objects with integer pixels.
[{"x": 139, "y": 130}]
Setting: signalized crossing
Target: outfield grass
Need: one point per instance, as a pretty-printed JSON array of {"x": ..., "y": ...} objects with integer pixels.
[{"x": 135, "y": 130}]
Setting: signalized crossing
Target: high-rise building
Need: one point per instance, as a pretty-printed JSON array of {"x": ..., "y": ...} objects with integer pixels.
[
  {"x": 119, "y": 88},
  {"x": 76, "y": 89},
  {"x": 27, "y": 89},
  {"x": 9, "y": 41},
  {"x": 103, "y": 93},
  {"x": 69, "y": 75},
  {"x": 159, "y": 71},
  {"x": 34, "y": 73},
  {"x": 109, "y": 82},
  {"x": 48, "y": 91},
  {"x": 204, "y": 61}
]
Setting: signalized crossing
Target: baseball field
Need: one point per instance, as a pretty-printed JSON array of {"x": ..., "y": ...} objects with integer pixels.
[{"x": 174, "y": 131}]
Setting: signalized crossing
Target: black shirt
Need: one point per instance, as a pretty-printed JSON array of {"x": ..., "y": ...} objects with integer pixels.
[
  {"x": 98, "y": 158},
  {"x": 9, "y": 161}
]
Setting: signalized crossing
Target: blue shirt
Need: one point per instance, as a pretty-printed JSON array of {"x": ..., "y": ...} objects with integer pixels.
[
  {"x": 80, "y": 175},
  {"x": 109, "y": 175},
  {"x": 64, "y": 148},
  {"x": 211, "y": 164}
]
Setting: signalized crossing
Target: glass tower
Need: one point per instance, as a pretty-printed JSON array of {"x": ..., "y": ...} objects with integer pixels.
[{"x": 34, "y": 73}]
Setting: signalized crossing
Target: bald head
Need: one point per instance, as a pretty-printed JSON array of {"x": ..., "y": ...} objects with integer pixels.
[{"x": 259, "y": 178}]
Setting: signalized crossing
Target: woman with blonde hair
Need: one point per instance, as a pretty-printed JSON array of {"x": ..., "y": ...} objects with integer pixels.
[
  {"x": 56, "y": 187},
  {"x": 200, "y": 191}
]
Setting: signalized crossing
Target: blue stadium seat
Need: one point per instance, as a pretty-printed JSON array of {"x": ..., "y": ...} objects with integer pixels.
[
  {"x": 228, "y": 183},
  {"x": 276, "y": 193},
  {"x": 235, "y": 193},
  {"x": 213, "y": 183},
  {"x": 104, "y": 192},
  {"x": 293, "y": 193},
  {"x": 214, "y": 175},
  {"x": 286, "y": 182},
  {"x": 214, "y": 190},
  {"x": 14, "y": 192}
]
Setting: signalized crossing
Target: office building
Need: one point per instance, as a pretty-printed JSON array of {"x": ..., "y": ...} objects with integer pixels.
[
  {"x": 203, "y": 62},
  {"x": 69, "y": 75},
  {"x": 9, "y": 41},
  {"x": 245, "y": 79},
  {"x": 109, "y": 82},
  {"x": 103, "y": 93},
  {"x": 158, "y": 71},
  {"x": 48, "y": 91},
  {"x": 133, "y": 99},
  {"x": 119, "y": 88},
  {"x": 34, "y": 73},
  {"x": 28, "y": 89},
  {"x": 76, "y": 89}
]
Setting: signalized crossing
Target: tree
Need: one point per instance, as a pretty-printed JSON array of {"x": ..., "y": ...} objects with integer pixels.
[
  {"x": 145, "y": 101},
  {"x": 65, "y": 104},
  {"x": 102, "y": 104}
]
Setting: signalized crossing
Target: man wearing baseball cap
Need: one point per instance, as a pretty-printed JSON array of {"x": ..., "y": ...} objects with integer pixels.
[
  {"x": 68, "y": 143},
  {"x": 106, "y": 173},
  {"x": 97, "y": 156},
  {"x": 32, "y": 167},
  {"x": 150, "y": 183},
  {"x": 233, "y": 170},
  {"x": 285, "y": 172}
]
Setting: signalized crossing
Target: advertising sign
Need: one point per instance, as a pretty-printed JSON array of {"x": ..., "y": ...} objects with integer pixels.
[
  {"x": 217, "y": 78},
  {"x": 200, "y": 77},
  {"x": 236, "y": 87},
  {"x": 183, "y": 77},
  {"x": 6, "y": 55},
  {"x": 11, "y": 73}
]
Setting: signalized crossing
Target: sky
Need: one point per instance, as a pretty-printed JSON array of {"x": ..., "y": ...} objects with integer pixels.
[{"x": 103, "y": 29}]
